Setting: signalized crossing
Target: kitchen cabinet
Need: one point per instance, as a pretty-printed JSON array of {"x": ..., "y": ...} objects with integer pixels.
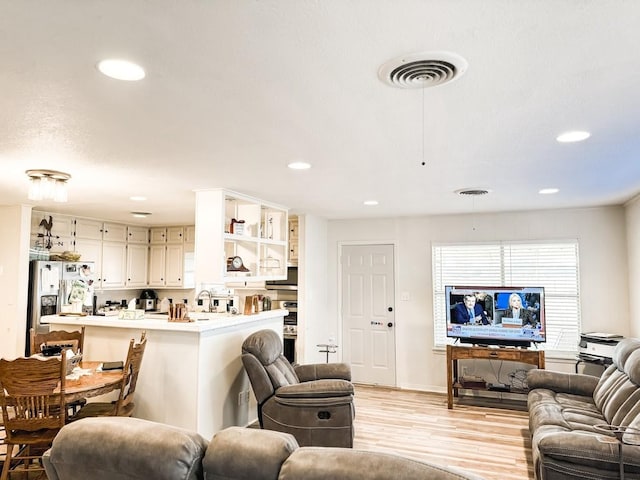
[
  {"x": 230, "y": 224},
  {"x": 190, "y": 234},
  {"x": 105, "y": 243},
  {"x": 114, "y": 264},
  {"x": 137, "y": 262},
  {"x": 97, "y": 230},
  {"x": 114, "y": 232},
  {"x": 166, "y": 265},
  {"x": 167, "y": 235},
  {"x": 157, "y": 258},
  {"x": 91, "y": 251},
  {"x": 166, "y": 257},
  {"x": 50, "y": 232},
  {"x": 137, "y": 235},
  {"x": 293, "y": 240},
  {"x": 174, "y": 271},
  {"x": 89, "y": 229}
]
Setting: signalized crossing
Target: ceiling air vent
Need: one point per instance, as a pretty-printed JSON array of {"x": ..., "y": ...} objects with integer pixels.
[
  {"x": 422, "y": 70},
  {"x": 472, "y": 192}
]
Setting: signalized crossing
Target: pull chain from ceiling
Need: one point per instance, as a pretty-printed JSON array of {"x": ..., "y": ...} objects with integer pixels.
[{"x": 423, "y": 161}]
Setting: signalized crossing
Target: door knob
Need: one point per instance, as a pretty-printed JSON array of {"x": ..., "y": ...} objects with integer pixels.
[{"x": 389, "y": 324}]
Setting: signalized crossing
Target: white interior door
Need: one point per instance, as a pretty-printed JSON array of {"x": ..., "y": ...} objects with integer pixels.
[{"x": 368, "y": 313}]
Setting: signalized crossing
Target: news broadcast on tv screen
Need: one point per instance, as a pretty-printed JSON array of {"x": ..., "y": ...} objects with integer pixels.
[{"x": 495, "y": 315}]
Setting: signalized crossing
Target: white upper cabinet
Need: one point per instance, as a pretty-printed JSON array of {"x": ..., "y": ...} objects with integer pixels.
[
  {"x": 190, "y": 234},
  {"x": 51, "y": 232},
  {"x": 175, "y": 234},
  {"x": 231, "y": 225},
  {"x": 114, "y": 232},
  {"x": 138, "y": 235},
  {"x": 90, "y": 229},
  {"x": 137, "y": 262},
  {"x": 167, "y": 235},
  {"x": 114, "y": 264}
]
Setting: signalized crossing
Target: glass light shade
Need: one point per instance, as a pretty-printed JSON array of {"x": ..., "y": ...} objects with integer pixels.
[
  {"x": 48, "y": 185},
  {"x": 60, "y": 191},
  {"x": 35, "y": 190}
]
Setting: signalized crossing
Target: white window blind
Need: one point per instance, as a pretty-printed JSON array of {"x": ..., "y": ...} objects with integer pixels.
[{"x": 553, "y": 266}]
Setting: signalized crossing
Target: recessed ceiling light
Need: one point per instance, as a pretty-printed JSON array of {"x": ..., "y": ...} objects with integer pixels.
[
  {"x": 299, "y": 166},
  {"x": 140, "y": 214},
  {"x": 121, "y": 69},
  {"x": 370, "y": 203},
  {"x": 548, "y": 191},
  {"x": 138, "y": 198},
  {"x": 574, "y": 136}
]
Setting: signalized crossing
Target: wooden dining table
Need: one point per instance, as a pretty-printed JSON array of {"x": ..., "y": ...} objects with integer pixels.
[{"x": 92, "y": 385}]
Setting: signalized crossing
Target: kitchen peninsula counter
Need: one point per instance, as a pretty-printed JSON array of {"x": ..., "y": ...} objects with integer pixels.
[{"x": 192, "y": 374}]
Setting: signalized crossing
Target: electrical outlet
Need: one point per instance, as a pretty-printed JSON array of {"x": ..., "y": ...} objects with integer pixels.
[{"x": 243, "y": 397}]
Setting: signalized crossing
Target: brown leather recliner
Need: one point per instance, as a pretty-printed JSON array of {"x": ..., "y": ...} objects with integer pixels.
[{"x": 312, "y": 402}]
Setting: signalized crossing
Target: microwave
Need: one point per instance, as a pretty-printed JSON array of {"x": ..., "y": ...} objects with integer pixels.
[{"x": 290, "y": 283}]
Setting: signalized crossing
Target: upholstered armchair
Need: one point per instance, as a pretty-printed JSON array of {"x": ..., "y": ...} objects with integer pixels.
[{"x": 312, "y": 402}]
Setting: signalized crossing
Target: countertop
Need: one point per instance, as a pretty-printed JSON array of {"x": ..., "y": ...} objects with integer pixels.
[{"x": 155, "y": 321}]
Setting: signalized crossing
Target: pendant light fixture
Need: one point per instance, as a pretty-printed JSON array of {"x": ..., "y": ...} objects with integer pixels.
[{"x": 48, "y": 185}]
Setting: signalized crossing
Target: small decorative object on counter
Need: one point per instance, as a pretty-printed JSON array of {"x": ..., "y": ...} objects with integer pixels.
[
  {"x": 179, "y": 313},
  {"x": 134, "y": 314},
  {"x": 266, "y": 303},
  {"x": 164, "y": 305},
  {"x": 251, "y": 305}
]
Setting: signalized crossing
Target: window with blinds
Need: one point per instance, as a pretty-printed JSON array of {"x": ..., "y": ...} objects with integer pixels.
[{"x": 553, "y": 266}]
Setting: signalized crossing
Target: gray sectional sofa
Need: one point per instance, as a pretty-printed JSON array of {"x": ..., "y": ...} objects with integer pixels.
[
  {"x": 572, "y": 418},
  {"x": 119, "y": 448}
]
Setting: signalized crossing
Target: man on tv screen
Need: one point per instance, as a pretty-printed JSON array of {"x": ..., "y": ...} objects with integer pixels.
[{"x": 469, "y": 312}]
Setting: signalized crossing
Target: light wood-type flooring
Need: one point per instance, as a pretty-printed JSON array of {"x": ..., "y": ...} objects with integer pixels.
[{"x": 485, "y": 436}]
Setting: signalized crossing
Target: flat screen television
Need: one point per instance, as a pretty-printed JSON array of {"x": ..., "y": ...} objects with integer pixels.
[{"x": 503, "y": 316}]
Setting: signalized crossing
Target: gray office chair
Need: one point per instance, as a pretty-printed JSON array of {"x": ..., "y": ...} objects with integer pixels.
[{"x": 312, "y": 402}]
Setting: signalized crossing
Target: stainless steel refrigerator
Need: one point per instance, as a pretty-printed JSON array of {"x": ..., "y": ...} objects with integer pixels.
[{"x": 51, "y": 284}]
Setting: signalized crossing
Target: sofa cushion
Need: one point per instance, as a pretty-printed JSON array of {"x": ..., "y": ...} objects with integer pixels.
[
  {"x": 240, "y": 454},
  {"x": 326, "y": 463},
  {"x": 114, "y": 448}
]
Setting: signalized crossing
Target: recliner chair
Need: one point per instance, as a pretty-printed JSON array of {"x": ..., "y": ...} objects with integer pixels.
[{"x": 312, "y": 402}]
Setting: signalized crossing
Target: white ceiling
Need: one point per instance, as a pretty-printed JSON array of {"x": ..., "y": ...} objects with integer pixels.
[{"x": 236, "y": 89}]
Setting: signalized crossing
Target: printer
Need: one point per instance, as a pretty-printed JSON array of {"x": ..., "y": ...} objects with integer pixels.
[{"x": 598, "y": 345}]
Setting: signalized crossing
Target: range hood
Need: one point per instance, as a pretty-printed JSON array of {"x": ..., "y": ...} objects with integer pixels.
[{"x": 291, "y": 282}]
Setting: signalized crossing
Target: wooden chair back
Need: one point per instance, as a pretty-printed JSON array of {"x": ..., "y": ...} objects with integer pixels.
[
  {"x": 124, "y": 404},
  {"x": 32, "y": 395},
  {"x": 57, "y": 337}
]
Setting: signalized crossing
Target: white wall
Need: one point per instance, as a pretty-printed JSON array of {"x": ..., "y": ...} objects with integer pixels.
[
  {"x": 601, "y": 233},
  {"x": 14, "y": 278},
  {"x": 632, "y": 211},
  {"x": 313, "y": 282}
]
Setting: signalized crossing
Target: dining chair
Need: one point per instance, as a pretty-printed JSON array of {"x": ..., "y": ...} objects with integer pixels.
[
  {"x": 57, "y": 337},
  {"x": 33, "y": 408},
  {"x": 62, "y": 338},
  {"x": 124, "y": 405}
]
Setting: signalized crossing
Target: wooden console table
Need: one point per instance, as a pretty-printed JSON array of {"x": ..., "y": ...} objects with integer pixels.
[{"x": 455, "y": 353}]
